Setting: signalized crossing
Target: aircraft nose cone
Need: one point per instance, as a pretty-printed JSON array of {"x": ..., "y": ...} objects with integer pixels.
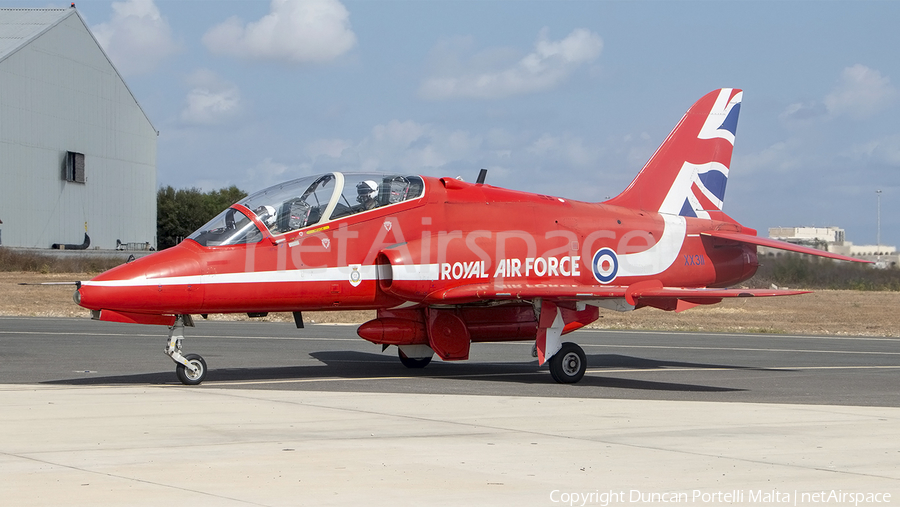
[{"x": 164, "y": 282}]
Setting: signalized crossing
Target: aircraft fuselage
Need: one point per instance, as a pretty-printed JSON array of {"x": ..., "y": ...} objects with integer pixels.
[{"x": 456, "y": 234}]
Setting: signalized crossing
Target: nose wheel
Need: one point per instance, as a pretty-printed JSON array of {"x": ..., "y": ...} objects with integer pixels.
[
  {"x": 191, "y": 368},
  {"x": 191, "y": 377}
]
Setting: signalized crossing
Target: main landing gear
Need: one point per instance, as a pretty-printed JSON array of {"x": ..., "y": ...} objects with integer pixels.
[
  {"x": 569, "y": 364},
  {"x": 191, "y": 368},
  {"x": 413, "y": 362}
]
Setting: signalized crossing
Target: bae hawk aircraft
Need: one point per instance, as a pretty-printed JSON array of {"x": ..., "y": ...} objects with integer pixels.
[{"x": 447, "y": 263}]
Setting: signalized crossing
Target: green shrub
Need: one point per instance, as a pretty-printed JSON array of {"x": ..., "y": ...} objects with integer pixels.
[
  {"x": 181, "y": 212},
  {"x": 806, "y": 272}
]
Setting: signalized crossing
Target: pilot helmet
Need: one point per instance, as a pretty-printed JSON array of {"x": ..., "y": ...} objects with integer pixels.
[
  {"x": 367, "y": 189},
  {"x": 266, "y": 214}
]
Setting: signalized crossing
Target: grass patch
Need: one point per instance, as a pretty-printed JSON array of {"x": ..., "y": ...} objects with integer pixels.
[{"x": 30, "y": 262}]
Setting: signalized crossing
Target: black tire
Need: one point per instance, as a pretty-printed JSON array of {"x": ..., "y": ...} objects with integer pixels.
[
  {"x": 411, "y": 362},
  {"x": 569, "y": 364},
  {"x": 185, "y": 375}
]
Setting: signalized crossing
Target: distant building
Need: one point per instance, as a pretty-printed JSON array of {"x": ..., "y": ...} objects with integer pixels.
[
  {"x": 77, "y": 152},
  {"x": 831, "y": 239},
  {"x": 808, "y": 235}
]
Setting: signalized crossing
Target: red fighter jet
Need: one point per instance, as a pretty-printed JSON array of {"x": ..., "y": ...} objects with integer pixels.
[{"x": 446, "y": 263}]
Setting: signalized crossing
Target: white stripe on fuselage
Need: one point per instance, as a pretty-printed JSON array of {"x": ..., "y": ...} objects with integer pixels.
[
  {"x": 338, "y": 274},
  {"x": 660, "y": 256},
  {"x": 654, "y": 260}
]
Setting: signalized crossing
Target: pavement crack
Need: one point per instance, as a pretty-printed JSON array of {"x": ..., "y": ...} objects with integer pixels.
[{"x": 131, "y": 479}]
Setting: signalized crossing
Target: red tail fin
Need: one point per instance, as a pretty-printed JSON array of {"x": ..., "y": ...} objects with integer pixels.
[{"x": 687, "y": 174}]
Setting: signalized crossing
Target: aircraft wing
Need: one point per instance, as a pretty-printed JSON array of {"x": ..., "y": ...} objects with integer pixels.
[
  {"x": 647, "y": 293},
  {"x": 511, "y": 290},
  {"x": 781, "y": 245}
]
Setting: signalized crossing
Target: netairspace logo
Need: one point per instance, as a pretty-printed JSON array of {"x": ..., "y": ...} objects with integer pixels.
[{"x": 766, "y": 497}]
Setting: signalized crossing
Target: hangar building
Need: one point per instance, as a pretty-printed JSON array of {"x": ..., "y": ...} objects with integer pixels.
[{"x": 77, "y": 152}]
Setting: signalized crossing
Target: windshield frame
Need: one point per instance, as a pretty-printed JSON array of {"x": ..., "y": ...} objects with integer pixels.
[{"x": 239, "y": 226}]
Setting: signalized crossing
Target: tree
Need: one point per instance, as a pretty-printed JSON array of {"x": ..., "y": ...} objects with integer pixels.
[
  {"x": 181, "y": 212},
  {"x": 806, "y": 272}
]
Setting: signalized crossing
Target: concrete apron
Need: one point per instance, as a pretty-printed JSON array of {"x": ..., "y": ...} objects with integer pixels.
[{"x": 208, "y": 446}]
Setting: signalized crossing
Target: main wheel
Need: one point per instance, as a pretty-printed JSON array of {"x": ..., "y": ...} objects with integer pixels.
[
  {"x": 411, "y": 362},
  {"x": 186, "y": 376},
  {"x": 569, "y": 364}
]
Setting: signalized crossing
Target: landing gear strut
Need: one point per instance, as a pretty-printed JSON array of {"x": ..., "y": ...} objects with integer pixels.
[
  {"x": 569, "y": 364},
  {"x": 190, "y": 369}
]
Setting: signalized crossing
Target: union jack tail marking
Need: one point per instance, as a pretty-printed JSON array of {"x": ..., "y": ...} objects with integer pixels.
[{"x": 687, "y": 175}]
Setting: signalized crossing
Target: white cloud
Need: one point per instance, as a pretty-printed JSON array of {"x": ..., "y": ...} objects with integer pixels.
[
  {"x": 398, "y": 134},
  {"x": 884, "y": 150},
  {"x": 269, "y": 172},
  {"x": 136, "y": 38},
  {"x": 483, "y": 77},
  {"x": 861, "y": 93},
  {"x": 572, "y": 150},
  {"x": 803, "y": 111},
  {"x": 404, "y": 146},
  {"x": 414, "y": 147},
  {"x": 211, "y": 101},
  {"x": 782, "y": 157},
  {"x": 296, "y": 31},
  {"x": 532, "y": 162},
  {"x": 396, "y": 146},
  {"x": 327, "y": 148}
]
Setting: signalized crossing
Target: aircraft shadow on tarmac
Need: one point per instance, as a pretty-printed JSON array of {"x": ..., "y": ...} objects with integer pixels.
[{"x": 354, "y": 365}]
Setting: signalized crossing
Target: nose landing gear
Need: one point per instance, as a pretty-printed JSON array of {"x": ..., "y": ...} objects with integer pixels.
[{"x": 190, "y": 369}]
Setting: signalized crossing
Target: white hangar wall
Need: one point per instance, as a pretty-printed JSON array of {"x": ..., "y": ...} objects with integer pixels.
[{"x": 59, "y": 93}]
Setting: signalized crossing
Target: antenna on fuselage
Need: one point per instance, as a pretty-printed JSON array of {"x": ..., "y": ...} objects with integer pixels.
[{"x": 481, "y": 176}]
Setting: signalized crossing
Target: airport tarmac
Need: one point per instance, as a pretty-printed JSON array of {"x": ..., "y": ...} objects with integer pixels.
[{"x": 92, "y": 414}]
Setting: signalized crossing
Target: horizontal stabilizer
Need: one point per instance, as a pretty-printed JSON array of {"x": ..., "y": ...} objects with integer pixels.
[
  {"x": 711, "y": 293},
  {"x": 781, "y": 245}
]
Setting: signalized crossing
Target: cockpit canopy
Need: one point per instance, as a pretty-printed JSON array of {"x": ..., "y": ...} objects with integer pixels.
[{"x": 305, "y": 202}]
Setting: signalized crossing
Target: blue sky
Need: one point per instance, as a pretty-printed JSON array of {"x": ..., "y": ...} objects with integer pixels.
[{"x": 567, "y": 98}]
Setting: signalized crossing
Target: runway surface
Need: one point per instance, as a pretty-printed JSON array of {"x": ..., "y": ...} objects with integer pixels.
[
  {"x": 93, "y": 414},
  {"x": 627, "y": 365}
]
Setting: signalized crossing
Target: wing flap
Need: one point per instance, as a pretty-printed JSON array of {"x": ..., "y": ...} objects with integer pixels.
[{"x": 775, "y": 243}]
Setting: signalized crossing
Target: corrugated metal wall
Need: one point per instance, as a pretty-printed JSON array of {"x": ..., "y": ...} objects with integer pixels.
[{"x": 57, "y": 94}]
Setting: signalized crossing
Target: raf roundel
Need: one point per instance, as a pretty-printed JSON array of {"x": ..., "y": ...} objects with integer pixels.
[{"x": 605, "y": 265}]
